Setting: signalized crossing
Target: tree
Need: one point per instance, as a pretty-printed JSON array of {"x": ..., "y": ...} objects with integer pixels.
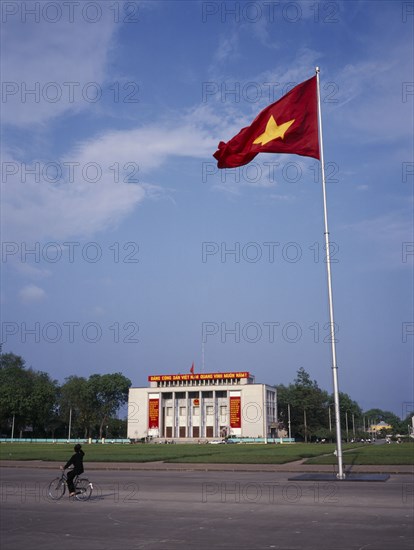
[
  {"x": 116, "y": 428},
  {"x": 30, "y": 398},
  {"x": 14, "y": 391},
  {"x": 350, "y": 414},
  {"x": 78, "y": 401},
  {"x": 307, "y": 403},
  {"x": 375, "y": 416},
  {"x": 42, "y": 401},
  {"x": 27, "y": 397},
  {"x": 110, "y": 392}
]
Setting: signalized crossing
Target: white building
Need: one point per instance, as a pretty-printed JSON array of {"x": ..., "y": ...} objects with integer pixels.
[{"x": 207, "y": 405}]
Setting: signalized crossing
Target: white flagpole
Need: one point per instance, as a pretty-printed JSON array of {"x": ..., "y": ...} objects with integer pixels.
[{"x": 340, "y": 473}]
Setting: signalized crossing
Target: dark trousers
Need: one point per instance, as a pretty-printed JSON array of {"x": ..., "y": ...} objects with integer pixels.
[{"x": 71, "y": 475}]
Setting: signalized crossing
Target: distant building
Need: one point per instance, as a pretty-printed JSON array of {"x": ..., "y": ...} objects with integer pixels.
[
  {"x": 375, "y": 428},
  {"x": 204, "y": 405}
]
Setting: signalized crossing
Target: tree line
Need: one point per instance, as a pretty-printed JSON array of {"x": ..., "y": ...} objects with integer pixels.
[
  {"x": 308, "y": 413},
  {"x": 32, "y": 404}
]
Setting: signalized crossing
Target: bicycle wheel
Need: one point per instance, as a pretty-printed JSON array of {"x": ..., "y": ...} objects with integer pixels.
[
  {"x": 57, "y": 488},
  {"x": 83, "y": 489}
]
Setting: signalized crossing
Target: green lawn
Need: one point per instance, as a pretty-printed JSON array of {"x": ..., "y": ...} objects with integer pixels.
[
  {"x": 224, "y": 454},
  {"x": 372, "y": 454}
]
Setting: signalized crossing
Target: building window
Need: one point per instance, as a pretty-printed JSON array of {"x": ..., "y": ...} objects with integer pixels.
[
  {"x": 196, "y": 411},
  {"x": 210, "y": 409},
  {"x": 169, "y": 411},
  {"x": 182, "y": 411}
]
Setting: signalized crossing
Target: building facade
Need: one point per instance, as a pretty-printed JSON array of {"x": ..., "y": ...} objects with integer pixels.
[{"x": 202, "y": 406}]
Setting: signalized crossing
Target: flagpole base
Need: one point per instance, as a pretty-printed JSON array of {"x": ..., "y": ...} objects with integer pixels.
[{"x": 315, "y": 476}]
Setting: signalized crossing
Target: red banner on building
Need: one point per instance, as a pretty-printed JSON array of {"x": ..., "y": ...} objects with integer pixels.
[
  {"x": 153, "y": 413},
  {"x": 199, "y": 376},
  {"x": 235, "y": 412}
]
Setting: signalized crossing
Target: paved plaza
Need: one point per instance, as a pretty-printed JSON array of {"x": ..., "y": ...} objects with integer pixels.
[{"x": 156, "y": 508}]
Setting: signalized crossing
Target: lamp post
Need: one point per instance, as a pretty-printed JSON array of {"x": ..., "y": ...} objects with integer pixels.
[
  {"x": 12, "y": 433},
  {"x": 346, "y": 424},
  {"x": 306, "y": 426},
  {"x": 289, "y": 431},
  {"x": 330, "y": 419},
  {"x": 330, "y": 416},
  {"x": 70, "y": 424}
]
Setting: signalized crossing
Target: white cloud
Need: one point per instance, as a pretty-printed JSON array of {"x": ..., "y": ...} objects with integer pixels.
[
  {"x": 227, "y": 49},
  {"x": 64, "y": 201},
  {"x": 31, "y": 294},
  {"x": 46, "y": 66},
  {"x": 148, "y": 146},
  {"x": 28, "y": 270},
  {"x": 371, "y": 98},
  {"x": 38, "y": 211},
  {"x": 97, "y": 311}
]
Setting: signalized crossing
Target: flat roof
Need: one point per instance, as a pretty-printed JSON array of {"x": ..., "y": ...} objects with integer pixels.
[{"x": 198, "y": 376}]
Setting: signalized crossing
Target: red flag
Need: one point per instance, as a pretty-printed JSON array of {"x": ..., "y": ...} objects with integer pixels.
[
  {"x": 289, "y": 125},
  {"x": 192, "y": 369}
]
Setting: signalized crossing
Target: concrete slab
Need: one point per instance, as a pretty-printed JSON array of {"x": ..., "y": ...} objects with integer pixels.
[
  {"x": 298, "y": 466},
  {"x": 223, "y": 510},
  {"x": 333, "y": 477}
]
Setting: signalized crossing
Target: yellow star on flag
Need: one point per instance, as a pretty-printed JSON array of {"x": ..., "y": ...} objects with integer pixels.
[{"x": 273, "y": 131}]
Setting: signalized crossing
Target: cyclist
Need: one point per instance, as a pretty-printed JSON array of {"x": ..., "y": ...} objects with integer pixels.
[{"x": 76, "y": 461}]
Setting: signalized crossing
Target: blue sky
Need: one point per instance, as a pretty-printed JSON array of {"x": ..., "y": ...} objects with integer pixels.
[{"x": 110, "y": 116}]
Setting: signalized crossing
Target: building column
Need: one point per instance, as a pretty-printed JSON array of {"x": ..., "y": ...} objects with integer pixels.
[
  {"x": 201, "y": 405},
  {"x": 189, "y": 412},
  {"x": 216, "y": 430}
]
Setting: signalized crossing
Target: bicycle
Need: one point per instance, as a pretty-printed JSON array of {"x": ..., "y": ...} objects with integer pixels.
[{"x": 83, "y": 487}]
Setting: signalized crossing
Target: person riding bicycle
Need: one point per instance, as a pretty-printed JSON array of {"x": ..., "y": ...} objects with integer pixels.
[{"x": 76, "y": 461}]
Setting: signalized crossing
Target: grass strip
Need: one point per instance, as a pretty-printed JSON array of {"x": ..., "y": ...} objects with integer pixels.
[
  {"x": 214, "y": 454},
  {"x": 392, "y": 455}
]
